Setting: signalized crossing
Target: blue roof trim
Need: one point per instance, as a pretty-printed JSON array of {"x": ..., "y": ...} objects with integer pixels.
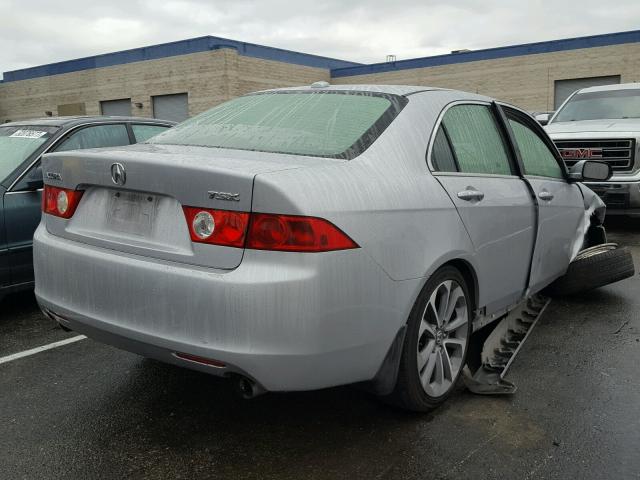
[
  {"x": 493, "y": 53},
  {"x": 182, "y": 47}
]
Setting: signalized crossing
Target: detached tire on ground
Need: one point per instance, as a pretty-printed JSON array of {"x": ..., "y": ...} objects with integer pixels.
[{"x": 592, "y": 268}]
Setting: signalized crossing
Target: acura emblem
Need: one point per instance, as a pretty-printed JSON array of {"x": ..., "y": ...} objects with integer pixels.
[{"x": 118, "y": 174}]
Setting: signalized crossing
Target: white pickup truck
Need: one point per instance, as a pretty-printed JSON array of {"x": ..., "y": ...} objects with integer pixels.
[{"x": 603, "y": 123}]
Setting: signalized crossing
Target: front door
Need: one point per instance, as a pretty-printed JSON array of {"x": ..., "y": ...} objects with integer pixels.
[
  {"x": 22, "y": 205},
  {"x": 471, "y": 160},
  {"x": 22, "y": 216},
  {"x": 560, "y": 203},
  {"x": 4, "y": 253}
]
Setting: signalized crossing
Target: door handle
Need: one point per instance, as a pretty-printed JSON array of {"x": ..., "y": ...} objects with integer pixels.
[
  {"x": 470, "y": 195},
  {"x": 545, "y": 195}
]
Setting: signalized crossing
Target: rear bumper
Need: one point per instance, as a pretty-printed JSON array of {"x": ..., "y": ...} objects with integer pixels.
[
  {"x": 621, "y": 198},
  {"x": 288, "y": 321}
]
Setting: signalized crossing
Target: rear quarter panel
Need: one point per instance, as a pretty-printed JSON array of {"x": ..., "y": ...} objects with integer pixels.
[{"x": 386, "y": 199}]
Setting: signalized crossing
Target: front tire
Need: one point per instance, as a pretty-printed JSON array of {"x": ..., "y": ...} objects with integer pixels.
[{"x": 436, "y": 342}]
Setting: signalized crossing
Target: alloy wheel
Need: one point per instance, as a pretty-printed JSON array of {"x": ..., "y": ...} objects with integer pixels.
[{"x": 442, "y": 338}]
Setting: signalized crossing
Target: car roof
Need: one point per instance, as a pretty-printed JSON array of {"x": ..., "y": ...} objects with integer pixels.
[
  {"x": 389, "y": 89},
  {"x": 82, "y": 119},
  {"x": 616, "y": 86},
  {"x": 402, "y": 90}
]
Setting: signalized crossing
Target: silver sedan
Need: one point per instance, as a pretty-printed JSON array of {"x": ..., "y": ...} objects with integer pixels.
[{"x": 309, "y": 237}]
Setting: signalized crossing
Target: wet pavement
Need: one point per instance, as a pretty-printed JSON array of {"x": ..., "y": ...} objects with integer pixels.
[{"x": 86, "y": 410}]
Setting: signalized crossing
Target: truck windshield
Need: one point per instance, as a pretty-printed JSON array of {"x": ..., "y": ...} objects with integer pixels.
[
  {"x": 608, "y": 104},
  {"x": 17, "y": 143},
  {"x": 323, "y": 124}
]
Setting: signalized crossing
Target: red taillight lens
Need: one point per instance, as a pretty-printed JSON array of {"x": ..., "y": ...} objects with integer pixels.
[
  {"x": 60, "y": 202},
  {"x": 265, "y": 231},
  {"x": 218, "y": 227},
  {"x": 295, "y": 234}
]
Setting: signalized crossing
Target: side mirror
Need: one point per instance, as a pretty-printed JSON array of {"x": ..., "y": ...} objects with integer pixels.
[
  {"x": 543, "y": 118},
  {"x": 590, "y": 171},
  {"x": 33, "y": 181}
]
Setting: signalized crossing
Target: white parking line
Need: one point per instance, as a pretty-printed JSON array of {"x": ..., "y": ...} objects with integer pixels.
[{"x": 33, "y": 351}]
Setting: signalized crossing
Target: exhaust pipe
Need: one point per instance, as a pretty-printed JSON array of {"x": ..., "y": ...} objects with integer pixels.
[{"x": 247, "y": 388}]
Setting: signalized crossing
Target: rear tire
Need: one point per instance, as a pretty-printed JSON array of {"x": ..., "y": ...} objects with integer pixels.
[
  {"x": 593, "y": 268},
  {"x": 436, "y": 343}
]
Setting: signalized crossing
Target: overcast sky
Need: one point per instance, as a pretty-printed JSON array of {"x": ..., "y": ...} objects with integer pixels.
[{"x": 36, "y": 32}]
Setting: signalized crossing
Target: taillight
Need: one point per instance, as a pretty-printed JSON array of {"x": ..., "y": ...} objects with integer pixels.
[
  {"x": 218, "y": 227},
  {"x": 60, "y": 202},
  {"x": 265, "y": 231},
  {"x": 295, "y": 234}
]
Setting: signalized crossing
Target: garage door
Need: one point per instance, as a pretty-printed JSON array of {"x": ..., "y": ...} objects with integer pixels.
[
  {"x": 121, "y": 107},
  {"x": 171, "y": 107},
  {"x": 564, "y": 88}
]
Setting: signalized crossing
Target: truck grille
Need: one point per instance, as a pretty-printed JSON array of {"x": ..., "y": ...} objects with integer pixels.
[
  {"x": 619, "y": 153},
  {"x": 614, "y": 195}
]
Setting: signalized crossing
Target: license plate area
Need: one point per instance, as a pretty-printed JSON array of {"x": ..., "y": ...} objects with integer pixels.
[{"x": 132, "y": 213}]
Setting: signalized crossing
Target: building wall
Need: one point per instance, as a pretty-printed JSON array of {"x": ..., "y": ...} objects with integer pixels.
[
  {"x": 208, "y": 77},
  {"x": 213, "y": 76},
  {"x": 526, "y": 81}
]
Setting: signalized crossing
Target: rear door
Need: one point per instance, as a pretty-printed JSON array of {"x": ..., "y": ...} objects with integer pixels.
[
  {"x": 22, "y": 205},
  {"x": 471, "y": 159},
  {"x": 560, "y": 203}
]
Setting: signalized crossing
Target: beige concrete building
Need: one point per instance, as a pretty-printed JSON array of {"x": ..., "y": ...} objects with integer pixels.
[
  {"x": 537, "y": 77},
  {"x": 180, "y": 79},
  {"x": 171, "y": 81}
]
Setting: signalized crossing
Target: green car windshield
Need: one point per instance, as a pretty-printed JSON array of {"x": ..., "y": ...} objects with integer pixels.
[
  {"x": 323, "y": 124},
  {"x": 17, "y": 143}
]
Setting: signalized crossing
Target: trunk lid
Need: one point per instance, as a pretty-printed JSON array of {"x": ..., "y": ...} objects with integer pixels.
[{"x": 143, "y": 214}]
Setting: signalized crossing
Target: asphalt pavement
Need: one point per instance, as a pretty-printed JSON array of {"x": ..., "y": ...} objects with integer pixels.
[{"x": 86, "y": 410}]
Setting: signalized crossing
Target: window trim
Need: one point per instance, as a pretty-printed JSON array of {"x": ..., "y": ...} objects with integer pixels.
[
  {"x": 513, "y": 161},
  {"x": 528, "y": 121}
]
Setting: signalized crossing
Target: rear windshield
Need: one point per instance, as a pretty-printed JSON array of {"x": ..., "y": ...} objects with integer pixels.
[
  {"x": 323, "y": 124},
  {"x": 608, "y": 104},
  {"x": 17, "y": 143}
]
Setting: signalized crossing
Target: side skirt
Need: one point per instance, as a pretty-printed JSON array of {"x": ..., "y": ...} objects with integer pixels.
[{"x": 493, "y": 348}]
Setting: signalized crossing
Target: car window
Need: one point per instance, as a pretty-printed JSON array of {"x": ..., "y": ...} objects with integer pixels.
[
  {"x": 17, "y": 143},
  {"x": 476, "y": 140},
  {"x": 145, "y": 132},
  {"x": 536, "y": 156},
  {"x": 321, "y": 124},
  {"x": 442, "y": 156},
  {"x": 96, "y": 137}
]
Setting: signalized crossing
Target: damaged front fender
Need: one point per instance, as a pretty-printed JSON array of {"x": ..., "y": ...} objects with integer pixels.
[{"x": 590, "y": 232}]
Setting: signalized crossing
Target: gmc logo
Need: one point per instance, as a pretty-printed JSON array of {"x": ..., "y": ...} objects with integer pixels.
[{"x": 580, "y": 153}]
